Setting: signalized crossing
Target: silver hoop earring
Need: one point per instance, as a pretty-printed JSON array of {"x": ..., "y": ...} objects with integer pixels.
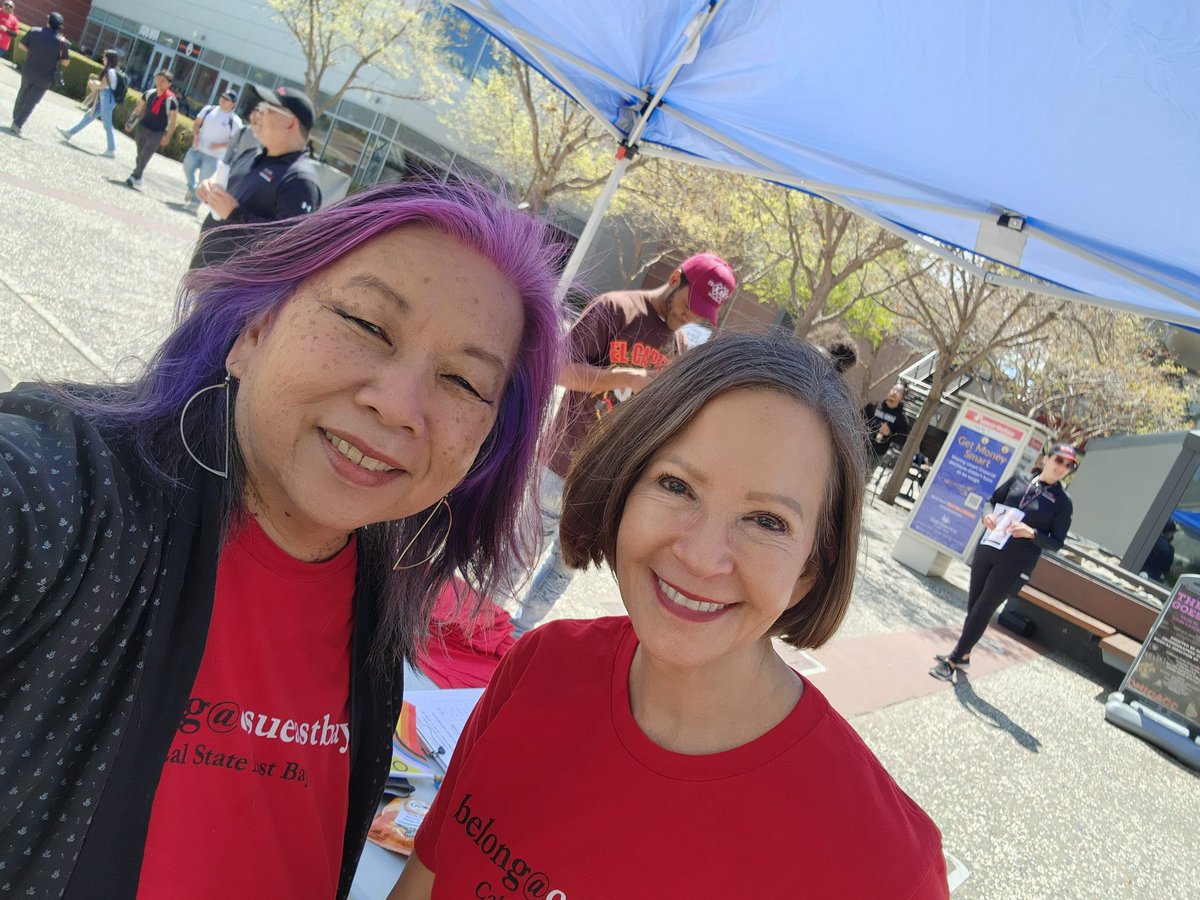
[
  {"x": 437, "y": 547},
  {"x": 224, "y": 385}
]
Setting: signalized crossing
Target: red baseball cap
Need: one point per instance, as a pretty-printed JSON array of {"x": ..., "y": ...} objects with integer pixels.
[{"x": 710, "y": 283}]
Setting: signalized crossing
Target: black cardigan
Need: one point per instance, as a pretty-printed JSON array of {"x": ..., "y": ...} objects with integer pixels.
[{"x": 106, "y": 590}]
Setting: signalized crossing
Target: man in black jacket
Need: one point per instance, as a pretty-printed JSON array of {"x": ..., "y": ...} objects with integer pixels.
[
  {"x": 276, "y": 181},
  {"x": 47, "y": 50},
  {"x": 886, "y": 423}
]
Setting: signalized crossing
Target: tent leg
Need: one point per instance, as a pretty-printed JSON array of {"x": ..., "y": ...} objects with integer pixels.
[{"x": 592, "y": 226}]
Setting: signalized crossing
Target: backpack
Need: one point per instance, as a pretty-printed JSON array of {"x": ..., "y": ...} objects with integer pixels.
[{"x": 121, "y": 89}]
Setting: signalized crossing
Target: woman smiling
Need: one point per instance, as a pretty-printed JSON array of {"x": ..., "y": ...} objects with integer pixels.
[
  {"x": 673, "y": 753},
  {"x": 210, "y": 575}
]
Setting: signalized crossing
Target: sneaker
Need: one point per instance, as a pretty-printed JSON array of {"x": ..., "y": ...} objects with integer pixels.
[
  {"x": 943, "y": 671},
  {"x": 15, "y": 129},
  {"x": 109, "y": 154},
  {"x": 959, "y": 663},
  {"x": 66, "y": 135},
  {"x": 133, "y": 182}
]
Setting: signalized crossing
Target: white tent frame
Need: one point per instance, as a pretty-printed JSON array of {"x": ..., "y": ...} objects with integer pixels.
[{"x": 766, "y": 169}]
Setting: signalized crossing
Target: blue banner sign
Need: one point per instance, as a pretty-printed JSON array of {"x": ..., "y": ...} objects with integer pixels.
[{"x": 969, "y": 469}]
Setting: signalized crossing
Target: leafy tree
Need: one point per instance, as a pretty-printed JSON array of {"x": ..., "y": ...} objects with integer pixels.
[
  {"x": 1097, "y": 373},
  {"x": 968, "y": 321},
  {"x": 818, "y": 261},
  {"x": 357, "y": 45},
  {"x": 547, "y": 146},
  {"x": 667, "y": 208}
]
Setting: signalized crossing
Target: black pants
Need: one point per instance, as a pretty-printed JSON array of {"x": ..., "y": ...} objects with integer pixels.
[
  {"x": 147, "y": 143},
  {"x": 995, "y": 576},
  {"x": 28, "y": 96}
]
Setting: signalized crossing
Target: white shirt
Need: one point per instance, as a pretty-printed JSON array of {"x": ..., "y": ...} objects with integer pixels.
[{"x": 217, "y": 128}]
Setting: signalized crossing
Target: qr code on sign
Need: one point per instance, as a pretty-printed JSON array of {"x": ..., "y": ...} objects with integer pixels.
[{"x": 973, "y": 501}]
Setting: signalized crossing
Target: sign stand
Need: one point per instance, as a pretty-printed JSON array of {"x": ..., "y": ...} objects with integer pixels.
[
  {"x": 987, "y": 443},
  {"x": 1159, "y": 699}
]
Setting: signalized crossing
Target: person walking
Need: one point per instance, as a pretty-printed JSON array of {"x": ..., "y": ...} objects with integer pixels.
[
  {"x": 106, "y": 102},
  {"x": 616, "y": 347},
  {"x": 10, "y": 27},
  {"x": 211, "y": 134},
  {"x": 47, "y": 50},
  {"x": 1037, "y": 517},
  {"x": 154, "y": 119}
]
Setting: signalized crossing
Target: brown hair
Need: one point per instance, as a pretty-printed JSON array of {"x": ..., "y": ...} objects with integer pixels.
[{"x": 611, "y": 460}]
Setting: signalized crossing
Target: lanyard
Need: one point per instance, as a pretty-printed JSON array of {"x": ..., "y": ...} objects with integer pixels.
[{"x": 1036, "y": 487}]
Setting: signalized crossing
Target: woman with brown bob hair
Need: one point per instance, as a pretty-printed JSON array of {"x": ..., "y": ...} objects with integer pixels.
[{"x": 726, "y": 499}]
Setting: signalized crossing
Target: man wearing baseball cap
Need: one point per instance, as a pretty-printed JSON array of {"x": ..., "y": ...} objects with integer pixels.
[
  {"x": 275, "y": 181},
  {"x": 615, "y": 348},
  {"x": 212, "y": 131}
]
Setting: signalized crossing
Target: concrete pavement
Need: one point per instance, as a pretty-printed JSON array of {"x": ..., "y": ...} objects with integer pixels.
[{"x": 1036, "y": 795}]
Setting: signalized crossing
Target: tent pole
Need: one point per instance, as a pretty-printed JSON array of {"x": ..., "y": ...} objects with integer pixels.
[{"x": 593, "y": 225}]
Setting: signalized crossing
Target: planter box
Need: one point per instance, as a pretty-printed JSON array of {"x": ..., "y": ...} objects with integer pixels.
[{"x": 1093, "y": 595}]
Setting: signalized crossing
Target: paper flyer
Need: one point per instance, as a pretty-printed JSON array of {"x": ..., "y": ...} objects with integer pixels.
[{"x": 1006, "y": 517}]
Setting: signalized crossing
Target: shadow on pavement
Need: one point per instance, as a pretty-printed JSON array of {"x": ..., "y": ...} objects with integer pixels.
[{"x": 997, "y": 718}]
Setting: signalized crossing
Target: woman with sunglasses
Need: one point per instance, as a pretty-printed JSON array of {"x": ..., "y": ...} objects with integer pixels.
[{"x": 997, "y": 572}]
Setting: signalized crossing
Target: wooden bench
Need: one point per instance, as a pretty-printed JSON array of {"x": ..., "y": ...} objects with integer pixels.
[
  {"x": 1119, "y": 650},
  {"x": 1116, "y": 649},
  {"x": 1066, "y": 612}
]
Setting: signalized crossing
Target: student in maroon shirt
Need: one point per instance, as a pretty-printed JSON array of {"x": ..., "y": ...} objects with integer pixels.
[{"x": 622, "y": 340}]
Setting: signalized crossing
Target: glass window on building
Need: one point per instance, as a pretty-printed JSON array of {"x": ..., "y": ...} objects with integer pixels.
[
  {"x": 344, "y": 147},
  {"x": 319, "y": 134},
  {"x": 122, "y": 44},
  {"x": 137, "y": 60},
  {"x": 359, "y": 115},
  {"x": 387, "y": 127},
  {"x": 212, "y": 58},
  {"x": 263, "y": 77},
  {"x": 467, "y": 46},
  {"x": 374, "y": 168},
  {"x": 89, "y": 41},
  {"x": 183, "y": 69},
  {"x": 235, "y": 68},
  {"x": 107, "y": 38},
  {"x": 200, "y": 89}
]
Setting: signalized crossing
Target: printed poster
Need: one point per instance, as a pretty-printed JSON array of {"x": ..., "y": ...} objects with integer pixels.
[{"x": 971, "y": 466}]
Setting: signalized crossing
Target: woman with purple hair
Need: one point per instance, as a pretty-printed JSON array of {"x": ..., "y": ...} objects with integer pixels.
[{"x": 211, "y": 576}]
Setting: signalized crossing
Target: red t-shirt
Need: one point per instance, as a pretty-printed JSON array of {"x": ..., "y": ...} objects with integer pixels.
[
  {"x": 253, "y": 796},
  {"x": 555, "y": 792},
  {"x": 8, "y": 24}
]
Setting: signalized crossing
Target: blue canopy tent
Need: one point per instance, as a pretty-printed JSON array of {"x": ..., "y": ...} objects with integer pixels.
[{"x": 1060, "y": 137}]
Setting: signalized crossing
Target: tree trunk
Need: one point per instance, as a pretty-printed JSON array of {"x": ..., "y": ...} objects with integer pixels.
[
  {"x": 913, "y": 442},
  {"x": 816, "y": 304}
]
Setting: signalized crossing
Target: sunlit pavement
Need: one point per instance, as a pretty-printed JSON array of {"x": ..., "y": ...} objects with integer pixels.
[{"x": 1035, "y": 794}]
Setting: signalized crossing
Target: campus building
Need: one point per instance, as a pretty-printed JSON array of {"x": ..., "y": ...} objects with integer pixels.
[
  {"x": 213, "y": 45},
  {"x": 369, "y": 136}
]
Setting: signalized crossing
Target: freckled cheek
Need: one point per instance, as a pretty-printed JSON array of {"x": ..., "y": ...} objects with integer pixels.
[{"x": 460, "y": 441}]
